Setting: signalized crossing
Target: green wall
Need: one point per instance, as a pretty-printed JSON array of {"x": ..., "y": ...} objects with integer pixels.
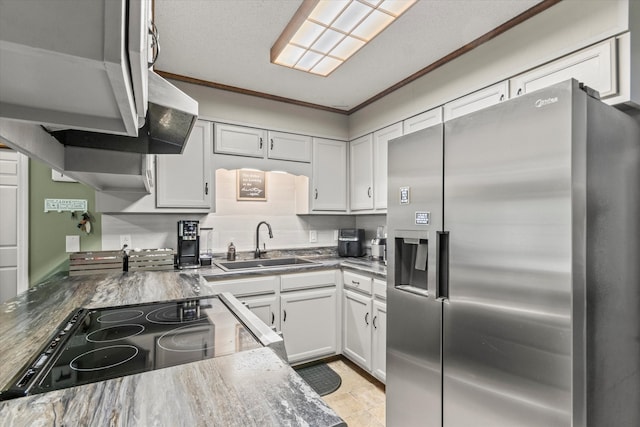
[{"x": 47, "y": 231}]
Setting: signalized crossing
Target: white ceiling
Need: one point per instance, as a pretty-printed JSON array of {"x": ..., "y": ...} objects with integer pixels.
[{"x": 228, "y": 42}]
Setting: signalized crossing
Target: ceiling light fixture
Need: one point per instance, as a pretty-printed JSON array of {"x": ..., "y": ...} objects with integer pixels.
[{"x": 324, "y": 33}]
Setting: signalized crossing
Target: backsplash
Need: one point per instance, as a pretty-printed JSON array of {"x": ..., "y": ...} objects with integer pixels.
[{"x": 233, "y": 221}]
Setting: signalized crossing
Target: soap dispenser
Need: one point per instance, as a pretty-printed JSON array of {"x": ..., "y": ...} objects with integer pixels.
[{"x": 231, "y": 252}]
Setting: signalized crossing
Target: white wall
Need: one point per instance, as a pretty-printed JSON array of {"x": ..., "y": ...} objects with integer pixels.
[
  {"x": 229, "y": 107},
  {"x": 233, "y": 221},
  {"x": 565, "y": 27}
]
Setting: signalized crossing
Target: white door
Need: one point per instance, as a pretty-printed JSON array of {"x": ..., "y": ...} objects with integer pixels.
[
  {"x": 13, "y": 224},
  {"x": 357, "y": 328},
  {"x": 361, "y": 169},
  {"x": 380, "y": 144},
  {"x": 308, "y": 323},
  {"x": 266, "y": 307},
  {"x": 379, "y": 322},
  {"x": 329, "y": 180}
]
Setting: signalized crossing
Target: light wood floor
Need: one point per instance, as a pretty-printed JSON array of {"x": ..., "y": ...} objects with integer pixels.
[{"x": 360, "y": 400}]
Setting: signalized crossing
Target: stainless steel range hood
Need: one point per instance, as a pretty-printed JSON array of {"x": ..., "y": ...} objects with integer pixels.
[{"x": 170, "y": 117}]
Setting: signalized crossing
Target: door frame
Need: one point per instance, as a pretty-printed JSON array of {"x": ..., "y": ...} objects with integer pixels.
[{"x": 23, "y": 224}]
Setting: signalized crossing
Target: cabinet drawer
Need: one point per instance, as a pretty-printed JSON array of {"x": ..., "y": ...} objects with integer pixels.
[
  {"x": 249, "y": 286},
  {"x": 380, "y": 288},
  {"x": 318, "y": 279},
  {"x": 358, "y": 281}
]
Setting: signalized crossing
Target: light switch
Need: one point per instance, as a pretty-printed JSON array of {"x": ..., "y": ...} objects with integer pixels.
[
  {"x": 313, "y": 236},
  {"x": 73, "y": 243}
]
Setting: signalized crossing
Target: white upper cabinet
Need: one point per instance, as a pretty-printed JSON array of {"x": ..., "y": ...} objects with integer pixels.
[
  {"x": 239, "y": 140},
  {"x": 184, "y": 180},
  {"x": 478, "y": 100},
  {"x": 380, "y": 144},
  {"x": 289, "y": 146},
  {"x": 75, "y": 64},
  {"x": 328, "y": 185},
  {"x": 595, "y": 66},
  {"x": 361, "y": 173},
  {"x": 422, "y": 121}
]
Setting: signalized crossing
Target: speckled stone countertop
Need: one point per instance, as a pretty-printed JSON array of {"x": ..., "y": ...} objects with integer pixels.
[
  {"x": 252, "y": 388},
  {"x": 323, "y": 258}
]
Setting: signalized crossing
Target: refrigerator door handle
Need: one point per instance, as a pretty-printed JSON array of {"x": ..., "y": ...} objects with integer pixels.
[{"x": 442, "y": 265}]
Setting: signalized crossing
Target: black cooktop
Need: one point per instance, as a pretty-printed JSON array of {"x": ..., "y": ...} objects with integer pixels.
[{"x": 100, "y": 344}]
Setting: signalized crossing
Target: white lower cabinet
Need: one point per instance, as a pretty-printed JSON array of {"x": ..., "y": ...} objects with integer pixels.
[
  {"x": 309, "y": 323},
  {"x": 365, "y": 322},
  {"x": 266, "y": 307},
  {"x": 357, "y": 328},
  {"x": 379, "y": 343}
]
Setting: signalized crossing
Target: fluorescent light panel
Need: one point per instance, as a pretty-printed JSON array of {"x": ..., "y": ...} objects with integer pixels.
[{"x": 324, "y": 33}]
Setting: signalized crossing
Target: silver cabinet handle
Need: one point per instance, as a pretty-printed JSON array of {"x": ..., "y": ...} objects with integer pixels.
[{"x": 366, "y": 318}]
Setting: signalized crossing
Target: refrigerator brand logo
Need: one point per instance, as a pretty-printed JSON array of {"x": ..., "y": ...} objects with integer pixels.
[{"x": 543, "y": 102}]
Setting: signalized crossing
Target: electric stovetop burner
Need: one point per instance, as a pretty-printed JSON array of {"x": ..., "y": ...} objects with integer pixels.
[{"x": 100, "y": 344}]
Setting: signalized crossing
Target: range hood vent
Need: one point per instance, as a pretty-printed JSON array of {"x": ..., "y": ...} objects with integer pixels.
[{"x": 170, "y": 118}]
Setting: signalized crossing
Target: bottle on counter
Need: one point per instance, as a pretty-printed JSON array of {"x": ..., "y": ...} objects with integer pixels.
[{"x": 231, "y": 252}]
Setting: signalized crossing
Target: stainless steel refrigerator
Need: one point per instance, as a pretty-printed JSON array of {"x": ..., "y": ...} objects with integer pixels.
[{"x": 514, "y": 267}]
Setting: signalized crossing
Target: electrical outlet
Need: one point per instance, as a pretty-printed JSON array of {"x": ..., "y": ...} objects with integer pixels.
[
  {"x": 313, "y": 236},
  {"x": 336, "y": 233},
  {"x": 125, "y": 239},
  {"x": 72, "y": 243}
]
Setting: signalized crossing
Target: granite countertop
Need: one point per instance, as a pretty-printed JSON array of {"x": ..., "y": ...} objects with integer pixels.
[
  {"x": 323, "y": 258},
  {"x": 253, "y": 388}
]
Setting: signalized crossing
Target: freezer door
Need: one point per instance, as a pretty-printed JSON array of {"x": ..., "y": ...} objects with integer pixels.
[
  {"x": 414, "y": 315},
  {"x": 507, "y": 323}
]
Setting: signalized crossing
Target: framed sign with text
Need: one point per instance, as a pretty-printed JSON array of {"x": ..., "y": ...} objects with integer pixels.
[{"x": 251, "y": 185}]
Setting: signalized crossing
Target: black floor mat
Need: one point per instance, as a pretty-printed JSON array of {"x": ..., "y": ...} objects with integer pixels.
[{"x": 320, "y": 377}]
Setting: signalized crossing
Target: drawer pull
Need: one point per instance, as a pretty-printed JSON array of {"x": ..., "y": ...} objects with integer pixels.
[{"x": 353, "y": 282}]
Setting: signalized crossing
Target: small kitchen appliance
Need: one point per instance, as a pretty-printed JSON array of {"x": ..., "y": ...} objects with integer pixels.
[
  {"x": 188, "y": 244},
  {"x": 379, "y": 245},
  {"x": 350, "y": 242}
]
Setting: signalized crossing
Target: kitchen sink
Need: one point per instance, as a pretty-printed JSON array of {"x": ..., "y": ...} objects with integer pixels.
[{"x": 262, "y": 263}]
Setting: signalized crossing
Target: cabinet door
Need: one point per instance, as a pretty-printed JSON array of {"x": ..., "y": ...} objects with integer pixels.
[
  {"x": 329, "y": 175},
  {"x": 184, "y": 180},
  {"x": 239, "y": 140},
  {"x": 308, "y": 321},
  {"x": 266, "y": 307},
  {"x": 357, "y": 328},
  {"x": 595, "y": 66},
  {"x": 361, "y": 173},
  {"x": 422, "y": 121},
  {"x": 477, "y": 100},
  {"x": 289, "y": 146},
  {"x": 380, "y": 143},
  {"x": 379, "y": 344}
]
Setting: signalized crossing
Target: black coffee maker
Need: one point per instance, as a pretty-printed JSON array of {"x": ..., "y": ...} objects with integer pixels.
[{"x": 188, "y": 244}]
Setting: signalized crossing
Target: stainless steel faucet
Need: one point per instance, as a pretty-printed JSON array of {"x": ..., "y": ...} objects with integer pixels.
[{"x": 258, "y": 252}]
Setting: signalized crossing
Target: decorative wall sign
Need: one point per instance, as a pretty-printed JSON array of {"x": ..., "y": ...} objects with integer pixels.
[
  {"x": 65, "y": 205},
  {"x": 251, "y": 185}
]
